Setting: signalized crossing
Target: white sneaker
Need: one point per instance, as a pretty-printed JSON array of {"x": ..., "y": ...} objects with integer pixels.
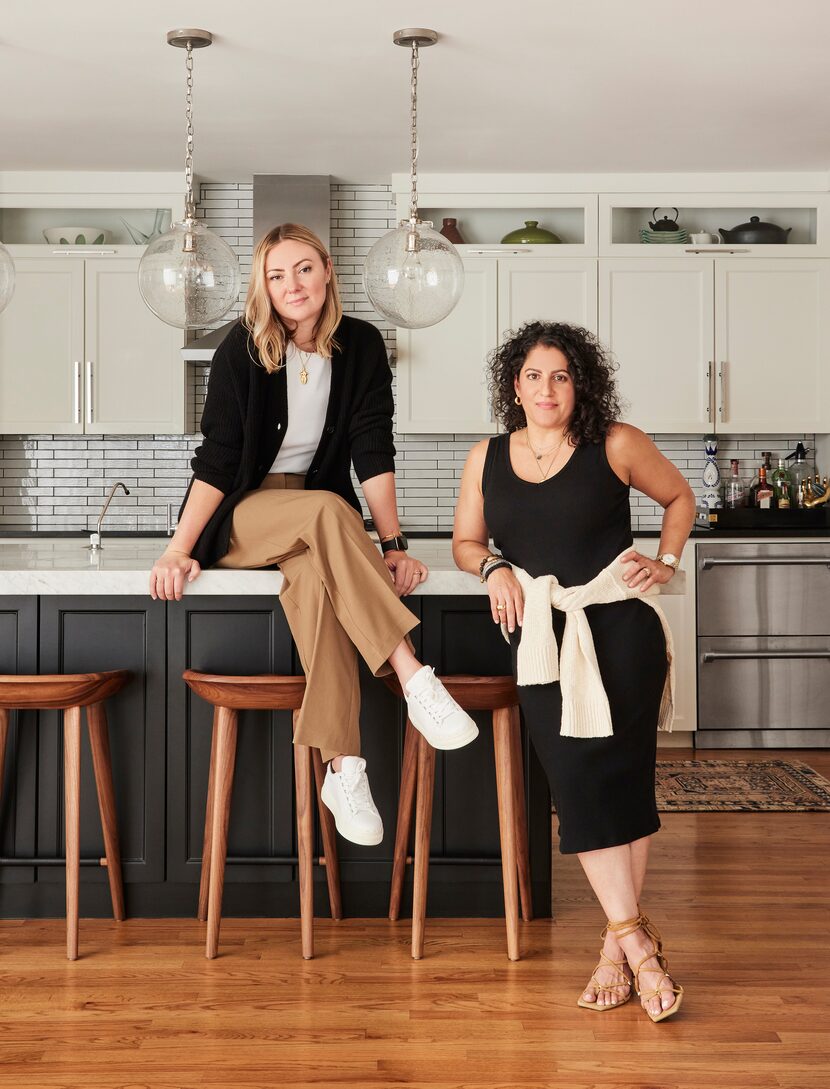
[
  {"x": 434, "y": 712},
  {"x": 346, "y": 793}
]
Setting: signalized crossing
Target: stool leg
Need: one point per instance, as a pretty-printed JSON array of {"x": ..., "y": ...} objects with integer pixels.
[
  {"x": 507, "y": 828},
  {"x": 328, "y": 833},
  {"x": 96, "y": 721},
  {"x": 305, "y": 842},
  {"x": 223, "y": 787},
  {"x": 406, "y": 802},
  {"x": 204, "y": 880},
  {"x": 72, "y": 822},
  {"x": 522, "y": 850},
  {"x": 423, "y": 830}
]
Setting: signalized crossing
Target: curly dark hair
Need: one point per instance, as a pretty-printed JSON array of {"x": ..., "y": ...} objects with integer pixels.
[{"x": 591, "y": 367}]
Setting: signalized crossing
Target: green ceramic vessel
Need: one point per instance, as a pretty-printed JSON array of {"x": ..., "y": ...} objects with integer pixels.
[{"x": 531, "y": 235}]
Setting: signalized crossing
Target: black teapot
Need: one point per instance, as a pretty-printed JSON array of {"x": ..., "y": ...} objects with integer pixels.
[
  {"x": 755, "y": 232},
  {"x": 664, "y": 224}
]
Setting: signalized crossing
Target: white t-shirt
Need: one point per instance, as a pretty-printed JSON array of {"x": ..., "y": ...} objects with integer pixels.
[{"x": 307, "y": 405}]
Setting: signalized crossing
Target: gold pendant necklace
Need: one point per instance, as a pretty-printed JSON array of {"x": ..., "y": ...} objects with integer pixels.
[{"x": 304, "y": 358}]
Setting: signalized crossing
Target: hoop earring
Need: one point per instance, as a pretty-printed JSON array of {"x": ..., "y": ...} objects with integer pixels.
[{"x": 517, "y": 399}]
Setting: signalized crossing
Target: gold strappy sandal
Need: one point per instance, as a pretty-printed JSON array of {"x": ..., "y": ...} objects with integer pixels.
[
  {"x": 619, "y": 967},
  {"x": 629, "y": 926}
]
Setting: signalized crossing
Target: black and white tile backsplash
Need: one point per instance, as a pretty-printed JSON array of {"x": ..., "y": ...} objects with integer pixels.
[{"x": 59, "y": 482}]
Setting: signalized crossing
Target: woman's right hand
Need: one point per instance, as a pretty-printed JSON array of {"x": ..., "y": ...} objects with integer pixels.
[
  {"x": 505, "y": 590},
  {"x": 169, "y": 573}
]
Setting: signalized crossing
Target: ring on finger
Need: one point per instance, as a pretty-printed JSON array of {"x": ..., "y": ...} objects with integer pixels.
[{"x": 500, "y": 607}]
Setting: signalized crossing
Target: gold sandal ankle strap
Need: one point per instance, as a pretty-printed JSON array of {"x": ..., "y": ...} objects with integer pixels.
[{"x": 625, "y": 926}]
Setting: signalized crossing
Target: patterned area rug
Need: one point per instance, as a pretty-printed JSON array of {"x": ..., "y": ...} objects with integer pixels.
[{"x": 695, "y": 786}]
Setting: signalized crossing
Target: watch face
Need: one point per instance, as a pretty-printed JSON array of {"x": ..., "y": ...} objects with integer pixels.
[{"x": 669, "y": 559}]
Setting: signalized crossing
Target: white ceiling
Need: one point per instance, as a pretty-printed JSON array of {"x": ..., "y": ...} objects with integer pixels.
[{"x": 318, "y": 87}]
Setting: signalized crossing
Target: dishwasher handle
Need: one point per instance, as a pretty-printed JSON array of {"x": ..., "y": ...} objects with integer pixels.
[
  {"x": 744, "y": 655},
  {"x": 764, "y": 561}
]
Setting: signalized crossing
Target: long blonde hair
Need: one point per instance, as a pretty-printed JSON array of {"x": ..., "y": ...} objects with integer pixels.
[{"x": 267, "y": 330}]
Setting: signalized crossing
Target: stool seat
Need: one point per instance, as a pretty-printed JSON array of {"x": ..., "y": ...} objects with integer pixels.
[
  {"x": 263, "y": 692},
  {"x": 69, "y": 692},
  {"x": 58, "y": 691},
  {"x": 271, "y": 692},
  {"x": 471, "y": 692},
  {"x": 499, "y": 696}
]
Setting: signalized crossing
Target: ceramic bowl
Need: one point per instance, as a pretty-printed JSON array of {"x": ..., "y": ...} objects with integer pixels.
[{"x": 76, "y": 236}]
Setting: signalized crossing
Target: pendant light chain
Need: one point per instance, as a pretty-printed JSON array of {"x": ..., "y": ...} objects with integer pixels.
[
  {"x": 190, "y": 207},
  {"x": 413, "y": 196}
]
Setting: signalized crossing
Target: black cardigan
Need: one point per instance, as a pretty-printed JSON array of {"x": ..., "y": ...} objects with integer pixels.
[{"x": 246, "y": 415}]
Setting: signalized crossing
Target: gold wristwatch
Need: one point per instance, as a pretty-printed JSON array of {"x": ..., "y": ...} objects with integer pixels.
[{"x": 669, "y": 560}]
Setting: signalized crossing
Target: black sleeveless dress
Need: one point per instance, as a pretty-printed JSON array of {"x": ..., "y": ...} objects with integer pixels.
[{"x": 572, "y": 525}]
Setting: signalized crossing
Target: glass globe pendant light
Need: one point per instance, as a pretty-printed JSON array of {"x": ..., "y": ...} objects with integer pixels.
[
  {"x": 6, "y": 277},
  {"x": 413, "y": 275},
  {"x": 189, "y": 277}
]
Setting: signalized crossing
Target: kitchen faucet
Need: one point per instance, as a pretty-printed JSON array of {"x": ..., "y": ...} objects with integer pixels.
[{"x": 95, "y": 538}]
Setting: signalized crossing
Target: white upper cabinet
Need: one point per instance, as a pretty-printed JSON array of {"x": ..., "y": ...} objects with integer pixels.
[
  {"x": 442, "y": 373},
  {"x": 42, "y": 349},
  {"x": 657, "y": 317},
  {"x": 134, "y": 372},
  {"x": 547, "y": 289},
  {"x": 81, "y": 353},
  {"x": 733, "y": 345},
  {"x": 441, "y": 380},
  {"x": 773, "y": 345}
]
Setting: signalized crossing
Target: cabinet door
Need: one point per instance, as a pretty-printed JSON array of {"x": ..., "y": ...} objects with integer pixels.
[
  {"x": 42, "y": 348},
  {"x": 773, "y": 345},
  {"x": 134, "y": 371},
  {"x": 18, "y": 774},
  {"x": 441, "y": 379},
  {"x": 657, "y": 317},
  {"x": 91, "y": 634},
  {"x": 547, "y": 289}
]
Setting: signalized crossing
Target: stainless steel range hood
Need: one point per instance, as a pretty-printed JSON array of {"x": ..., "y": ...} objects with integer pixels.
[{"x": 278, "y": 198}]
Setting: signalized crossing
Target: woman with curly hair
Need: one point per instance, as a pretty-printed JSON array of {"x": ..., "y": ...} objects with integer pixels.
[{"x": 553, "y": 493}]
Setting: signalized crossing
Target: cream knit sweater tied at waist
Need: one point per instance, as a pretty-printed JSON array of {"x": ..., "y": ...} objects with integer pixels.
[{"x": 585, "y": 710}]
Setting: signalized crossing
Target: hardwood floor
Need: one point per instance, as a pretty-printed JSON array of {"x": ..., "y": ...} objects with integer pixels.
[{"x": 741, "y": 898}]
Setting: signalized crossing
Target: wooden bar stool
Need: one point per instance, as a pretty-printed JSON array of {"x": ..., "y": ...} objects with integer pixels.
[
  {"x": 498, "y": 695},
  {"x": 229, "y": 695},
  {"x": 69, "y": 693}
]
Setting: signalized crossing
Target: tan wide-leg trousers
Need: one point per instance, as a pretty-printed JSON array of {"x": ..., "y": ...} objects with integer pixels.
[{"x": 337, "y": 596}]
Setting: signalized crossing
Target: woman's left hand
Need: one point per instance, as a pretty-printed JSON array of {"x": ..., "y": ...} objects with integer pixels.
[
  {"x": 643, "y": 572},
  {"x": 407, "y": 572}
]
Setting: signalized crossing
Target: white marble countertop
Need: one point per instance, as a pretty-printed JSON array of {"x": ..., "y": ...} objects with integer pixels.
[
  {"x": 52, "y": 565},
  {"x": 60, "y": 565}
]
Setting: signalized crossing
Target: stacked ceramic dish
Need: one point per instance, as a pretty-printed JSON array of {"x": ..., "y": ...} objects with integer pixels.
[{"x": 679, "y": 237}]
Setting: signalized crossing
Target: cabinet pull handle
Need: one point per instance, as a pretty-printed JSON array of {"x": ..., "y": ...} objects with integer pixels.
[
  {"x": 76, "y": 403},
  {"x": 500, "y": 253},
  {"x": 90, "y": 407},
  {"x": 749, "y": 655},
  {"x": 722, "y": 377},
  {"x": 764, "y": 561},
  {"x": 710, "y": 370},
  {"x": 713, "y": 249},
  {"x": 74, "y": 252}
]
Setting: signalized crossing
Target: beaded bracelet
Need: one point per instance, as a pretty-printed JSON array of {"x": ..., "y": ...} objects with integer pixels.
[{"x": 488, "y": 571}]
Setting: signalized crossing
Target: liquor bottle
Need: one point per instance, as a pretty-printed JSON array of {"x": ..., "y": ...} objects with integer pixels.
[
  {"x": 763, "y": 495},
  {"x": 711, "y": 474},
  {"x": 783, "y": 486},
  {"x": 735, "y": 490},
  {"x": 799, "y": 470}
]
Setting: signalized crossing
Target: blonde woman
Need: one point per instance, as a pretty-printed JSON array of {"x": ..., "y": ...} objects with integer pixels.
[{"x": 299, "y": 393}]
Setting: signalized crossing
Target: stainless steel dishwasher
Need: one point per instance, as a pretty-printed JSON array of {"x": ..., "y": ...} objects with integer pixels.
[{"x": 763, "y": 646}]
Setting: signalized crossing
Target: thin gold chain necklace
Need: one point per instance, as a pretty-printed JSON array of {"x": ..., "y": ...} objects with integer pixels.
[{"x": 544, "y": 453}]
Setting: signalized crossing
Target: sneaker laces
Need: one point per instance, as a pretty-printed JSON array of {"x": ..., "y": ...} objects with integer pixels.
[
  {"x": 356, "y": 790},
  {"x": 435, "y": 699}
]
